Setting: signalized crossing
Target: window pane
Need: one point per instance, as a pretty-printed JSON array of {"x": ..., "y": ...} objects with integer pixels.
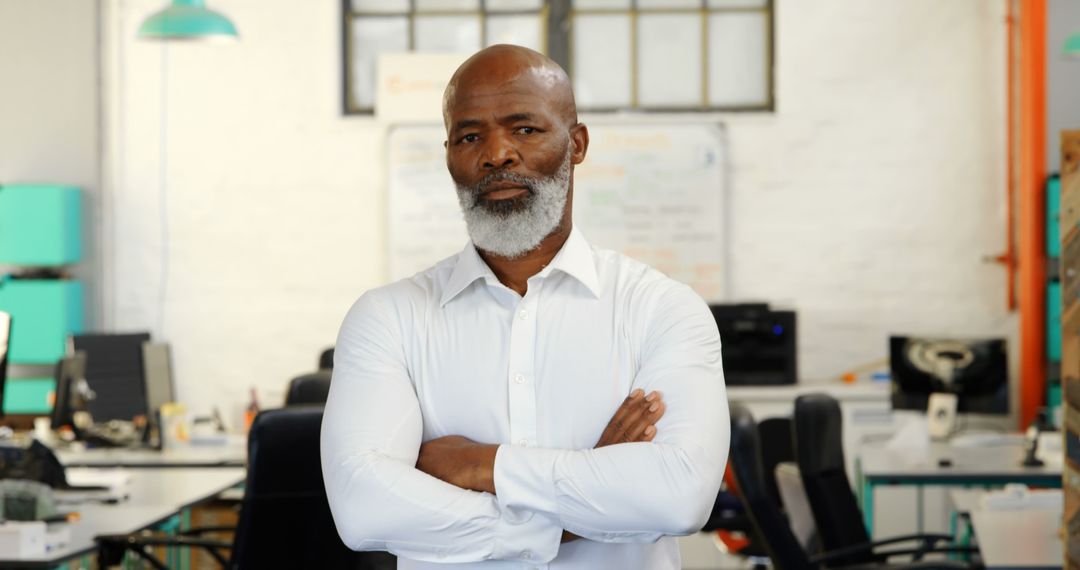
[
  {"x": 503, "y": 5},
  {"x": 601, "y": 4},
  {"x": 738, "y": 3},
  {"x": 601, "y": 60},
  {"x": 738, "y": 58},
  {"x": 370, "y": 37},
  {"x": 518, "y": 30},
  {"x": 460, "y": 34},
  {"x": 669, "y": 56},
  {"x": 382, "y": 6},
  {"x": 668, "y": 4},
  {"x": 447, "y": 5}
]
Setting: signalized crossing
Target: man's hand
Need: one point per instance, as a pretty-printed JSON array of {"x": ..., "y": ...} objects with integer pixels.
[
  {"x": 635, "y": 420},
  {"x": 459, "y": 461}
]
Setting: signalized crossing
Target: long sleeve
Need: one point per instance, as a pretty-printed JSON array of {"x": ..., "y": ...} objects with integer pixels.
[
  {"x": 640, "y": 492},
  {"x": 371, "y": 435}
]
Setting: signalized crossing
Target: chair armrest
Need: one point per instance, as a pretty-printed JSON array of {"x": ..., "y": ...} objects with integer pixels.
[{"x": 868, "y": 549}]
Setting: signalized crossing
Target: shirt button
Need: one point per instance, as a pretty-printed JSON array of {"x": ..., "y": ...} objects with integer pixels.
[
  {"x": 525, "y": 554},
  {"x": 519, "y": 378},
  {"x": 523, "y": 442},
  {"x": 523, "y": 314}
]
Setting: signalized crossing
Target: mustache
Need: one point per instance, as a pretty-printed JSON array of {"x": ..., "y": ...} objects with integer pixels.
[{"x": 503, "y": 176}]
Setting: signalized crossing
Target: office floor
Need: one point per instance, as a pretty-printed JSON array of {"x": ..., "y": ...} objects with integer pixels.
[{"x": 699, "y": 552}]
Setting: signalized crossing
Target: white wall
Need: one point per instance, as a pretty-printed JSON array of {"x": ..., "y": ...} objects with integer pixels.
[
  {"x": 867, "y": 201},
  {"x": 49, "y": 101}
]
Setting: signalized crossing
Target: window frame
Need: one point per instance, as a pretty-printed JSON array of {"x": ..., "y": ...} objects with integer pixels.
[{"x": 556, "y": 18}]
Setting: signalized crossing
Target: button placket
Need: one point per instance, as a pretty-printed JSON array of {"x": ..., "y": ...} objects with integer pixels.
[{"x": 521, "y": 388}]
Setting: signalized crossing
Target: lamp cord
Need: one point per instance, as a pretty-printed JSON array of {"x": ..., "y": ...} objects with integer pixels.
[{"x": 163, "y": 192}]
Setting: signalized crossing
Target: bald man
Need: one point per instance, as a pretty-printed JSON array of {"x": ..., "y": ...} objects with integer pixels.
[{"x": 531, "y": 402}]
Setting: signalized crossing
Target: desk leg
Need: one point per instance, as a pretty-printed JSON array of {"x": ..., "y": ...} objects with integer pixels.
[{"x": 868, "y": 507}]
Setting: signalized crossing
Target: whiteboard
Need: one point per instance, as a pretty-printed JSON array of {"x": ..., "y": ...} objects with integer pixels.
[{"x": 656, "y": 193}]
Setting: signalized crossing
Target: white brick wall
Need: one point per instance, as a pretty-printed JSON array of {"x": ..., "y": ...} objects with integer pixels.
[{"x": 867, "y": 201}]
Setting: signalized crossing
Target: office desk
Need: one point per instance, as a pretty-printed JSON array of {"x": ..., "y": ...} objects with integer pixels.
[
  {"x": 230, "y": 455},
  {"x": 155, "y": 496},
  {"x": 1019, "y": 539},
  {"x": 988, "y": 465}
]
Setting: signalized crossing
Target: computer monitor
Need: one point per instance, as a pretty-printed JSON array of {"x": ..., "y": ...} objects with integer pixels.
[
  {"x": 5, "y": 343},
  {"x": 69, "y": 372},
  {"x": 115, "y": 372},
  {"x": 976, "y": 371}
]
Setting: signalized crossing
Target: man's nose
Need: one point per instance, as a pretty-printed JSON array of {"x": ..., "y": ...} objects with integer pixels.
[{"x": 499, "y": 153}]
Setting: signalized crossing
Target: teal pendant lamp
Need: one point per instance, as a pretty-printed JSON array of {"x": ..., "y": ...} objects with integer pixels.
[
  {"x": 1072, "y": 45},
  {"x": 187, "y": 20}
]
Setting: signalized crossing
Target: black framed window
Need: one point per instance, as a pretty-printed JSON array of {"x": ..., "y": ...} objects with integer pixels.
[{"x": 651, "y": 55}]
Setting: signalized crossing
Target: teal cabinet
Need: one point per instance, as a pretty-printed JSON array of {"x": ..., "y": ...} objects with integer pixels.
[
  {"x": 1053, "y": 216},
  {"x": 40, "y": 225},
  {"x": 1053, "y": 321},
  {"x": 29, "y": 395},
  {"x": 43, "y": 314}
]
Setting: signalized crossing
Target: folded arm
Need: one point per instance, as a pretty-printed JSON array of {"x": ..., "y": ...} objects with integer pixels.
[
  {"x": 639, "y": 492},
  {"x": 635, "y": 491},
  {"x": 371, "y": 435}
]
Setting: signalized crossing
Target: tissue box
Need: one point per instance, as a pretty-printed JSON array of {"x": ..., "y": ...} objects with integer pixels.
[{"x": 40, "y": 225}]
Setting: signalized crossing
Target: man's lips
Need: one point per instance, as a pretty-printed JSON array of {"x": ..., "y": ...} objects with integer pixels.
[{"x": 503, "y": 191}]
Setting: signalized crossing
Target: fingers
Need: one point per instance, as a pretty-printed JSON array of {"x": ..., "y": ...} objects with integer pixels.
[
  {"x": 646, "y": 420},
  {"x": 618, "y": 421},
  {"x": 634, "y": 418}
]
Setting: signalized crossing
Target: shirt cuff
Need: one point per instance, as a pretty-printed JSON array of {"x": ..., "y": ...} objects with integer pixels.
[
  {"x": 521, "y": 533},
  {"x": 525, "y": 479}
]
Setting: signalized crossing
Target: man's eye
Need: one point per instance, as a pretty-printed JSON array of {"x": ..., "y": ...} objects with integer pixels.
[
  {"x": 471, "y": 137},
  {"x": 526, "y": 130}
]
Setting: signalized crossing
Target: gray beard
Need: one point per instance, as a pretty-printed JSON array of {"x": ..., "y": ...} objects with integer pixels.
[{"x": 511, "y": 228}]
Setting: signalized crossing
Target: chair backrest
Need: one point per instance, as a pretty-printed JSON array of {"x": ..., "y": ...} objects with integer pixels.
[
  {"x": 114, "y": 371},
  {"x": 326, "y": 359},
  {"x": 776, "y": 448},
  {"x": 819, "y": 451},
  {"x": 285, "y": 519},
  {"x": 772, "y": 528},
  {"x": 311, "y": 388}
]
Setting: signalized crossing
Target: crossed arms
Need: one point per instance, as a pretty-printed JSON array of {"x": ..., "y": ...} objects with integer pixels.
[{"x": 466, "y": 502}]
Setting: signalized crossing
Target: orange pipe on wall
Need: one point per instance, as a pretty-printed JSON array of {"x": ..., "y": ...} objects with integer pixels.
[{"x": 1032, "y": 208}]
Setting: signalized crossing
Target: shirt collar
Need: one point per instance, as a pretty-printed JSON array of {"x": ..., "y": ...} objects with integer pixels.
[{"x": 575, "y": 259}]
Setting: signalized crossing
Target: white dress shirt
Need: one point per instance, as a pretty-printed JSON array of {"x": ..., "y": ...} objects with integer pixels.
[{"x": 452, "y": 351}]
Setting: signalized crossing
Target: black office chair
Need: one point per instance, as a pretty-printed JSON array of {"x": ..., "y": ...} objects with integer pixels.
[
  {"x": 819, "y": 452},
  {"x": 768, "y": 520},
  {"x": 729, "y": 514},
  {"x": 326, "y": 359},
  {"x": 285, "y": 519},
  {"x": 307, "y": 389}
]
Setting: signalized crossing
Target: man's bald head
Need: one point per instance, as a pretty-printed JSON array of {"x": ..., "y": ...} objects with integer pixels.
[{"x": 505, "y": 65}]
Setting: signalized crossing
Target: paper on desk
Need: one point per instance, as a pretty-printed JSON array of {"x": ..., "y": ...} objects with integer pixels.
[
  {"x": 914, "y": 433},
  {"x": 116, "y": 480}
]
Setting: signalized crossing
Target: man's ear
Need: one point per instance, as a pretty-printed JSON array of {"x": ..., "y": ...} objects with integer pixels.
[{"x": 579, "y": 136}]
